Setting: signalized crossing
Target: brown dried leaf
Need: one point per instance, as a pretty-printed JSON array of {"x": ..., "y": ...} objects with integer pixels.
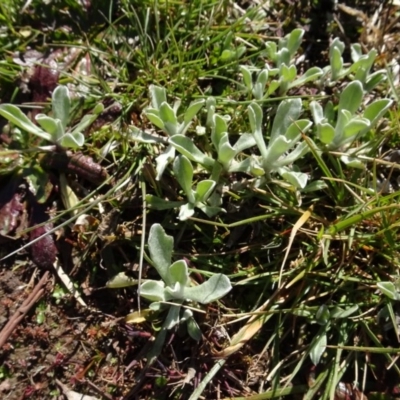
[
  {"x": 244, "y": 335},
  {"x": 44, "y": 251},
  {"x": 78, "y": 164},
  {"x": 12, "y": 208}
]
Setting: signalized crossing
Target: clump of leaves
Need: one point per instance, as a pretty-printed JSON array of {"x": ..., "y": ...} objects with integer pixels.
[
  {"x": 337, "y": 131},
  {"x": 165, "y": 117},
  {"x": 175, "y": 287},
  {"x": 53, "y": 129}
]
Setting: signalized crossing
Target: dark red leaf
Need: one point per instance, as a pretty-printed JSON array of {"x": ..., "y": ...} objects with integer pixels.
[
  {"x": 78, "y": 164},
  {"x": 44, "y": 251},
  {"x": 12, "y": 208}
]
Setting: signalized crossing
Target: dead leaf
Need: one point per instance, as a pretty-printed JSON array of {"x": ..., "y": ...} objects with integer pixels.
[
  {"x": 75, "y": 163},
  {"x": 300, "y": 222},
  {"x": 5, "y": 386},
  {"x": 138, "y": 317},
  {"x": 12, "y": 209},
  {"x": 67, "y": 282},
  {"x": 44, "y": 251},
  {"x": 72, "y": 395},
  {"x": 244, "y": 335}
]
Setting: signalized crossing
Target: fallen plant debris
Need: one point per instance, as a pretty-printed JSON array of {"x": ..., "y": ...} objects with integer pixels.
[
  {"x": 25, "y": 307},
  {"x": 75, "y": 163}
]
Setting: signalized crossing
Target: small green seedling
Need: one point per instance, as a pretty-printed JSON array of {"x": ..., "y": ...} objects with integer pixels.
[
  {"x": 53, "y": 129},
  {"x": 196, "y": 198},
  {"x": 285, "y": 135},
  {"x": 284, "y": 72},
  {"x": 338, "y": 132},
  {"x": 360, "y": 69},
  {"x": 175, "y": 287},
  {"x": 165, "y": 117},
  {"x": 327, "y": 318}
]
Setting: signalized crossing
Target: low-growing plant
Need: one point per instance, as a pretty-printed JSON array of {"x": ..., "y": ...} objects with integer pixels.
[
  {"x": 359, "y": 70},
  {"x": 284, "y": 73},
  {"x": 175, "y": 287},
  {"x": 196, "y": 198},
  {"x": 274, "y": 157},
  {"x": 165, "y": 117},
  {"x": 285, "y": 135},
  {"x": 57, "y": 138},
  {"x": 279, "y": 147},
  {"x": 336, "y": 131},
  {"x": 53, "y": 129}
]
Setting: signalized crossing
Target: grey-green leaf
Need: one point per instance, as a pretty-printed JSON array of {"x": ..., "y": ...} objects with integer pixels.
[
  {"x": 72, "y": 141},
  {"x": 193, "y": 109},
  {"x": 375, "y": 110},
  {"x": 255, "y": 117},
  {"x": 87, "y": 120},
  {"x": 154, "y": 118},
  {"x": 326, "y": 133},
  {"x": 186, "y": 147},
  {"x": 183, "y": 170},
  {"x": 19, "y": 119},
  {"x": 193, "y": 329},
  {"x": 160, "y": 248},
  {"x": 158, "y": 95},
  {"x": 297, "y": 179},
  {"x": 167, "y": 114},
  {"x": 351, "y": 97},
  {"x": 211, "y": 290},
  {"x": 336, "y": 62},
  {"x": 388, "y": 289},
  {"x": 178, "y": 272},
  {"x": 172, "y": 317},
  {"x": 186, "y": 211},
  {"x": 220, "y": 127},
  {"x": 310, "y": 75},
  {"x": 204, "y": 189},
  {"x": 163, "y": 160},
  {"x": 288, "y": 111},
  {"x": 226, "y": 154},
  {"x": 244, "y": 142},
  {"x": 294, "y": 40},
  {"x": 48, "y": 124},
  {"x": 61, "y": 104},
  {"x": 153, "y": 290},
  {"x": 247, "y": 79}
]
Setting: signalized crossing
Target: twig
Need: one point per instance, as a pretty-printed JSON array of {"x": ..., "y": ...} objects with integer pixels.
[
  {"x": 98, "y": 390},
  {"x": 35, "y": 295}
]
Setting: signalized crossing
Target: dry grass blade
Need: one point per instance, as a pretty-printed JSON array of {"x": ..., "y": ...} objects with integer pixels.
[{"x": 301, "y": 221}]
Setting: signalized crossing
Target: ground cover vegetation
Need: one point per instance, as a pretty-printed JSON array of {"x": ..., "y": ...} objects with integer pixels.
[{"x": 199, "y": 199}]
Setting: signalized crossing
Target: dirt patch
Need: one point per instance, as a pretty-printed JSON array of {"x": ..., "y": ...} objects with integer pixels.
[{"x": 59, "y": 339}]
